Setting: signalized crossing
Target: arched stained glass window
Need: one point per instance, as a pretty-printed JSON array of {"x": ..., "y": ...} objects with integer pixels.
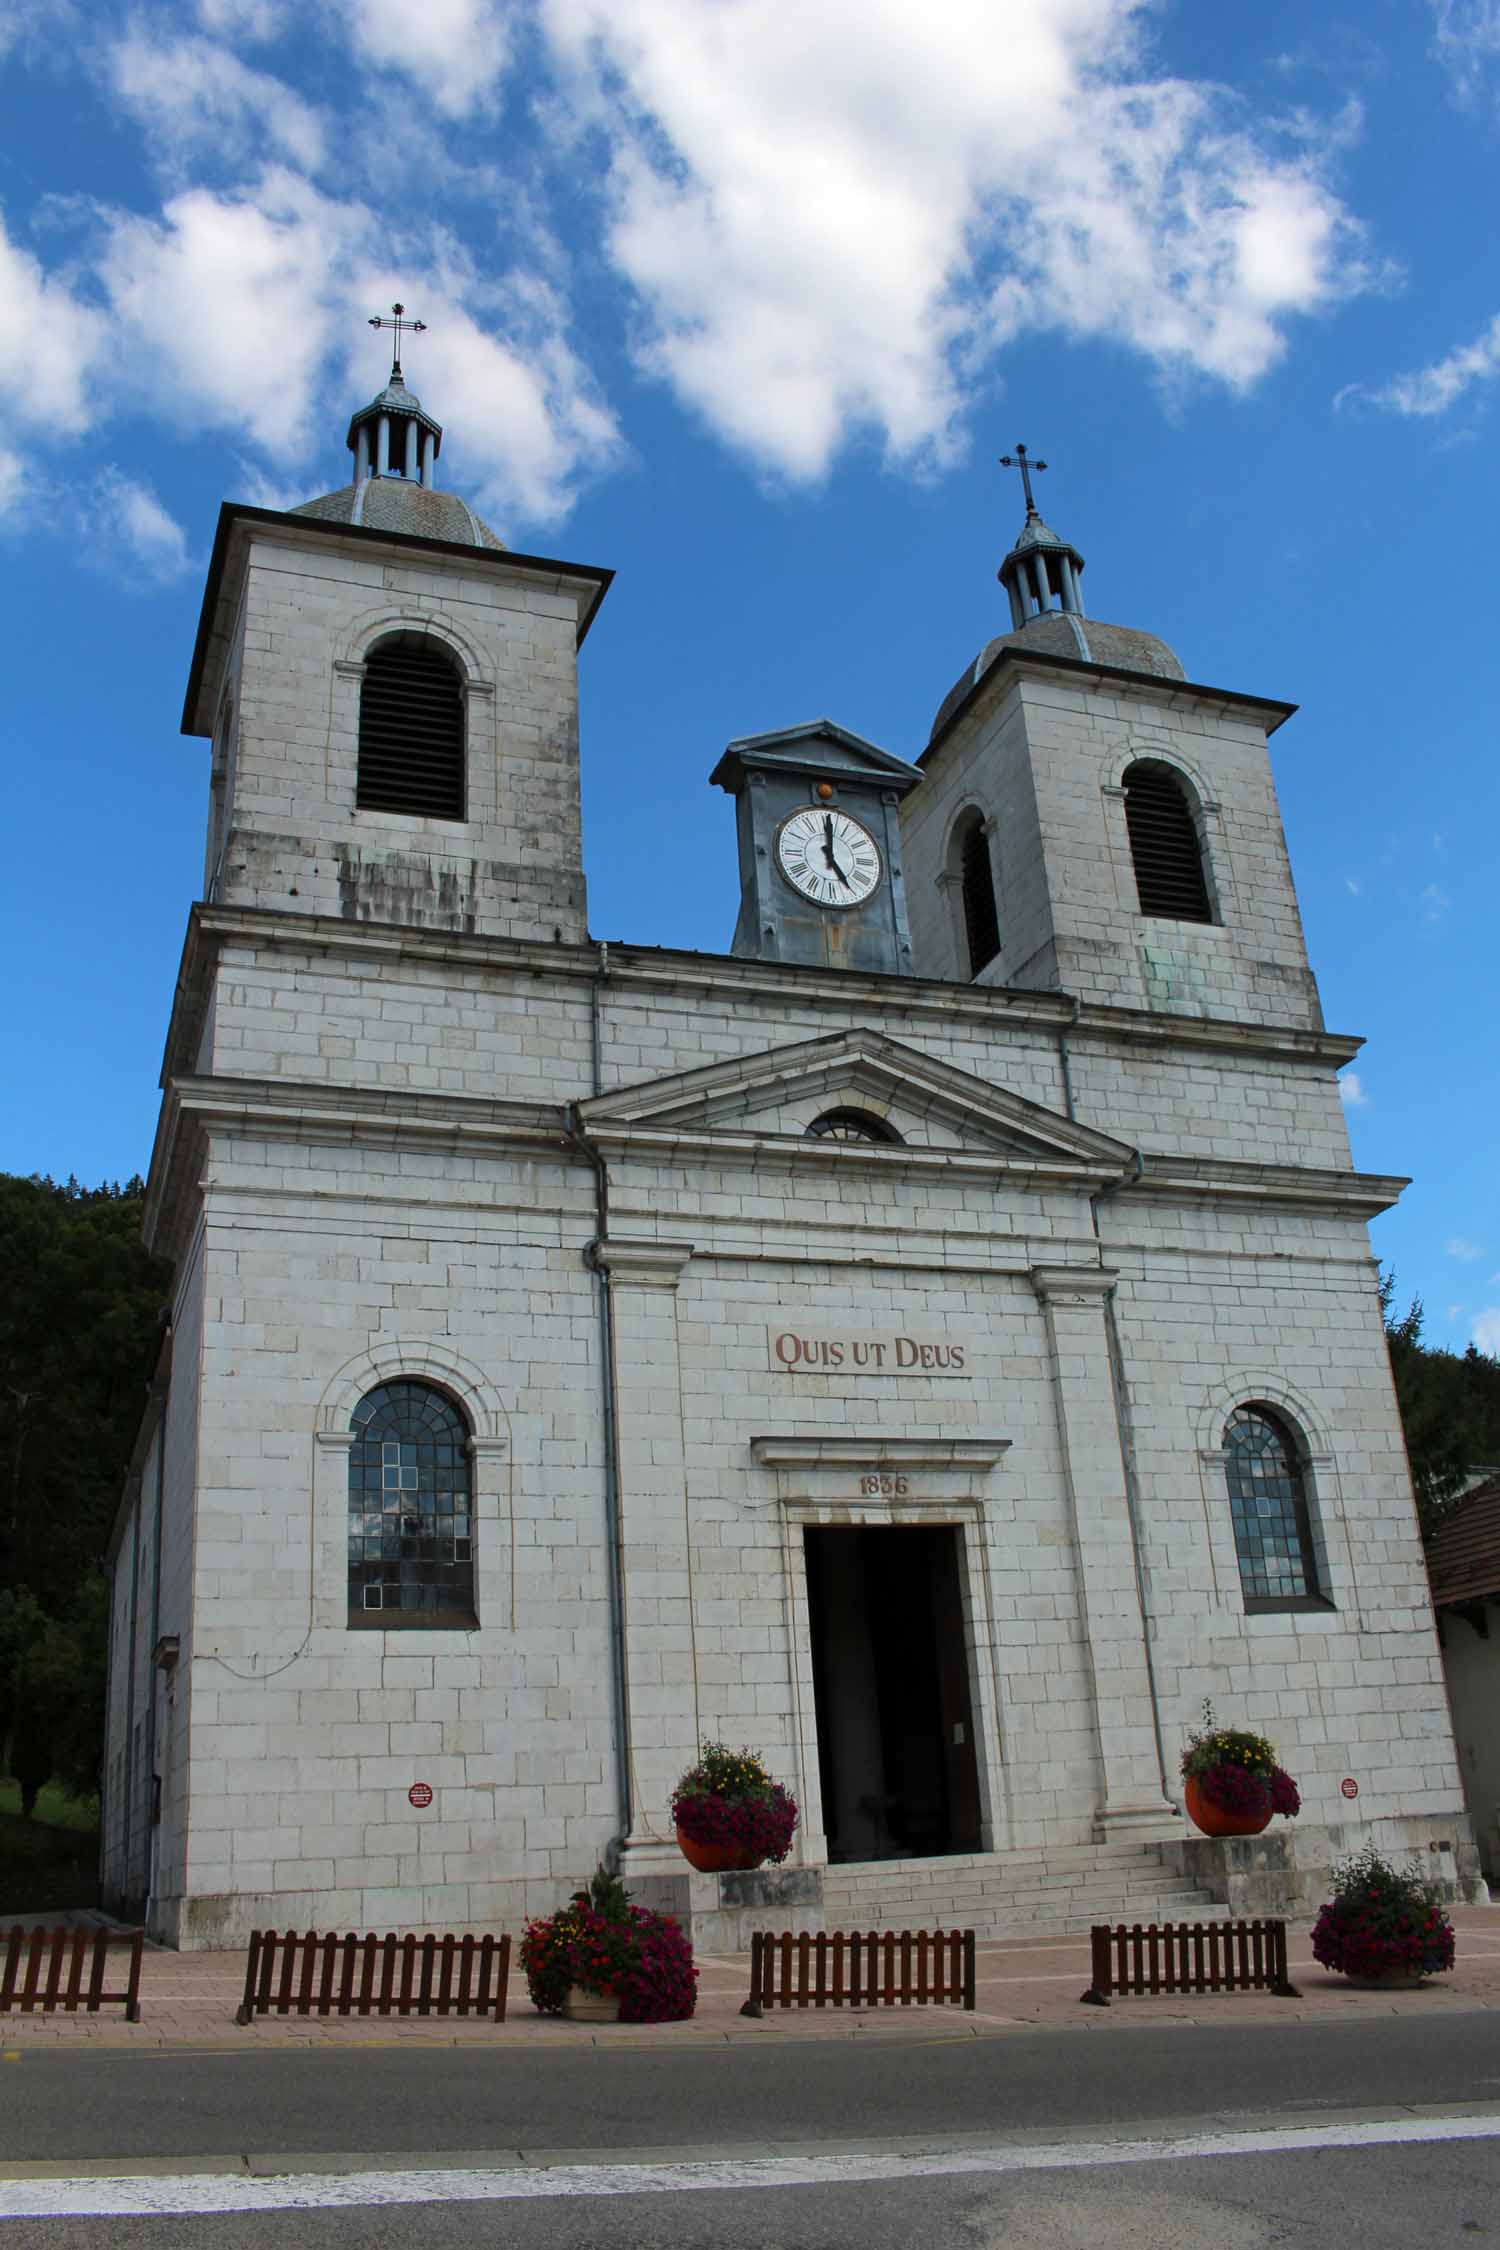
[
  {"x": 411, "y": 1529},
  {"x": 1164, "y": 845},
  {"x": 850, "y": 1125},
  {"x": 1268, "y": 1504}
]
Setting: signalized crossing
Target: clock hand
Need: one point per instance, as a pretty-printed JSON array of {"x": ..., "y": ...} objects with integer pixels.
[{"x": 828, "y": 853}]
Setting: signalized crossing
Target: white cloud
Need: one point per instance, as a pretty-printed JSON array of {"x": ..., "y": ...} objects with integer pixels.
[
  {"x": 49, "y": 339},
  {"x": 1486, "y": 1331},
  {"x": 527, "y": 422},
  {"x": 1460, "y": 1247},
  {"x": 195, "y": 95},
  {"x": 233, "y": 302},
  {"x": 132, "y": 534},
  {"x": 29, "y": 23},
  {"x": 1435, "y": 902},
  {"x": 1352, "y": 1091},
  {"x": 1353, "y": 885},
  {"x": 1466, "y": 38},
  {"x": 1432, "y": 390},
  {"x": 455, "y": 50},
  {"x": 12, "y": 482},
  {"x": 834, "y": 216},
  {"x": 251, "y": 20},
  {"x": 246, "y": 310}
]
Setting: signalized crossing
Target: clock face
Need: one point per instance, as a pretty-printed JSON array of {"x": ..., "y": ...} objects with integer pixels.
[{"x": 828, "y": 857}]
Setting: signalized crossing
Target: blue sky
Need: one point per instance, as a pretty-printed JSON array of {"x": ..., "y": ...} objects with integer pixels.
[{"x": 743, "y": 300}]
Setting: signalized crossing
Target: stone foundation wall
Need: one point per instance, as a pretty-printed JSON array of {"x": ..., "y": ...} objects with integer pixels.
[{"x": 1289, "y": 1870}]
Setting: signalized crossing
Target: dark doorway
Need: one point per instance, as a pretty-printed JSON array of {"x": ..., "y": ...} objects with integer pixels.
[{"x": 891, "y": 1678}]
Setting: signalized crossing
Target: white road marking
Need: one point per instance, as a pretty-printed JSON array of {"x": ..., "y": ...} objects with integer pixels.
[{"x": 190, "y": 2193}]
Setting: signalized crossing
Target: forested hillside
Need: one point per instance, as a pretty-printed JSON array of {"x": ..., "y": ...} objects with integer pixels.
[{"x": 80, "y": 1320}]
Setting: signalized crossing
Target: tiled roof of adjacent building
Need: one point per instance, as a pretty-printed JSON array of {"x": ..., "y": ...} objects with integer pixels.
[{"x": 1463, "y": 1553}]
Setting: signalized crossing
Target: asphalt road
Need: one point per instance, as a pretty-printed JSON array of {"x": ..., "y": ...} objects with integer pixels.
[{"x": 1034, "y": 2140}]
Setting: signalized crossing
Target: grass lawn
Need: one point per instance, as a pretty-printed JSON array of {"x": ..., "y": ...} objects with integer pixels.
[{"x": 51, "y": 1860}]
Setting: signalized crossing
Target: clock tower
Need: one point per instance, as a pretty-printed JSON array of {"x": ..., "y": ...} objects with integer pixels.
[{"x": 821, "y": 877}]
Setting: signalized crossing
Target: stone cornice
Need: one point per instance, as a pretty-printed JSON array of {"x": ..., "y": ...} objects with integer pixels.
[
  {"x": 1072, "y": 1285},
  {"x": 265, "y": 1107},
  {"x": 1013, "y": 664},
  {"x": 794, "y": 1452},
  {"x": 238, "y": 523},
  {"x": 657, "y": 970},
  {"x": 644, "y": 1264},
  {"x": 1362, "y": 1195}
]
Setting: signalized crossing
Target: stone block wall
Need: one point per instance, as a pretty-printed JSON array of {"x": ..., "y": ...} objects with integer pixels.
[{"x": 294, "y": 839}]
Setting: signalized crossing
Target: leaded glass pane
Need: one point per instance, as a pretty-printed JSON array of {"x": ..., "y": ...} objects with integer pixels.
[
  {"x": 1268, "y": 1507},
  {"x": 409, "y": 1475}
]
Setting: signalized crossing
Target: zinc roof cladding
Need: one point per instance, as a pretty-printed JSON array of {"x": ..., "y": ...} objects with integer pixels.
[
  {"x": 398, "y": 504},
  {"x": 1035, "y": 533},
  {"x": 1463, "y": 1552},
  {"x": 1083, "y": 640}
]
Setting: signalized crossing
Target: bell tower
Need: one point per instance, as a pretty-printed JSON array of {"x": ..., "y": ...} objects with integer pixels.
[
  {"x": 1092, "y": 821},
  {"x": 392, "y": 698}
]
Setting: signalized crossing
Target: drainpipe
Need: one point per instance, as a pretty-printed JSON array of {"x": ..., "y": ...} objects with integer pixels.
[
  {"x": 578, "y": 1139},
  {"x": 130, "y": 1660},
  {"x": 153, "y": 1685},
  {"x": 1065, "y": 1063},
  {"x": 1115, "y": 1348}
]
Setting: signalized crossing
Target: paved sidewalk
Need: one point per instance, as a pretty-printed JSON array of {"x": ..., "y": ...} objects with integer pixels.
[{"x": 189, "y": 2000}]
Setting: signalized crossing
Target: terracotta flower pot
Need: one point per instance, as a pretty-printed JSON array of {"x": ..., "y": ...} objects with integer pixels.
[
  {"x": 1213, "y": 1820},
  {"x": 583, "y": 2006},
  {"x": 716, "y": 1859}
]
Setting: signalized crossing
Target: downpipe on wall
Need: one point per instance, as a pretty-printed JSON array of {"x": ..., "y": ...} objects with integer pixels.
[{"x": 578, "y": 1140}]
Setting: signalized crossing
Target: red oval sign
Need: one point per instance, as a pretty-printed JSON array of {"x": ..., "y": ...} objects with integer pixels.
[
  {"x": 1348, "y": 1787},
  {"x": 420, "y": 1795}
]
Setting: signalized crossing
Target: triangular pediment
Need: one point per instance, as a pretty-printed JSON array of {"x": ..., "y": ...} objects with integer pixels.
[
  {"x": 774, "y": 1096},
  {"x": 818, "y": 747}
]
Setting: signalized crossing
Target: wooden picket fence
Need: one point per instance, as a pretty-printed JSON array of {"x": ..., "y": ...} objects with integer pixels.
[
  {"x": 860, "y": 1969},
  {"x": 47, "y": 1971},
  {"x": 1188, "y": 1957},
  {"x": 350, "y": 1975}
]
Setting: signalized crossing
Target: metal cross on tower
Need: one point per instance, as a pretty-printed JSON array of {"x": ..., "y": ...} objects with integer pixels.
[
  {"x": 1021, "y": 460},
  {"x": 413, "y": 327}
]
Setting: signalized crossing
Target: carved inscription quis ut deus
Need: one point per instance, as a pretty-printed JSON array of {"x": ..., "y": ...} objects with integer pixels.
[{"x": 798, "y": 1351}]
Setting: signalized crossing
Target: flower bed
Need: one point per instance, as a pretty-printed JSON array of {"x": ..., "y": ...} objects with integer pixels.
[
  {"x": 728, "y": 1802},
  {"x": 602, "y": 1944},
  {"x": 1382, "y": 1921}
]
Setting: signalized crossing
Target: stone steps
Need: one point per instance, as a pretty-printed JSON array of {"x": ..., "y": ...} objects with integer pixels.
[{"x": 1006, "y": 1894}]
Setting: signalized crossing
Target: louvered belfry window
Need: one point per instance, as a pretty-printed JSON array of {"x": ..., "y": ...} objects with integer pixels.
[
  {"x": 411, "y": 731},
  {"x": 1164, "y": 846},
  {"x": 981, "y": 916}
]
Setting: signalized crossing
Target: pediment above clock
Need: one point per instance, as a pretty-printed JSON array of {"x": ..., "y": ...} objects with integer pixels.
[
  {"x": 774, "y": 1097},
  {"x": 818, "y": 748}
]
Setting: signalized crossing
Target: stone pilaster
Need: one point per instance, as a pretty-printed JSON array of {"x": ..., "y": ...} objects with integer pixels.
[
  {"x": 1074, "y": 1300},
  {"x": 660, "y": 1659}
]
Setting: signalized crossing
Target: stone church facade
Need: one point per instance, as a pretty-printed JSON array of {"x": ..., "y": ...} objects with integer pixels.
[{"x": 935, "y": 1343}]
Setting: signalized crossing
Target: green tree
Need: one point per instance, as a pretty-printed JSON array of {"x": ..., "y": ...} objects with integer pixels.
[
  {"x": 1450, "y": 1407},
  {"x": 79, "y": 1330}
]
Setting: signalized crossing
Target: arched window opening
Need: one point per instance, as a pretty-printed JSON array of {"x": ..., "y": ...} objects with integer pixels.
[
  {"x": 411, "y": 730},
  {"x": 411, "y": 1527},
  {"x": 977, "y": 882},
  {"x": 1164, "y": 846},
  {"x": 1268, "y": 1506},
  {"x": 850, "y": 1125}
]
